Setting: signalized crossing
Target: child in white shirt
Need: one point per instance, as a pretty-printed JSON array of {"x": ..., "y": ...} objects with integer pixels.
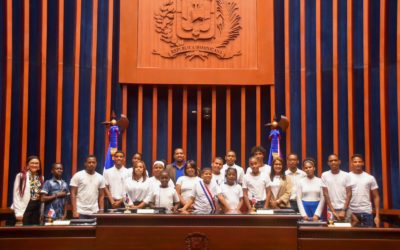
[
  {"x": 232, "y": 192},
  {"x": 164, "y": 195},
  {"x": 204, "y": 196}
]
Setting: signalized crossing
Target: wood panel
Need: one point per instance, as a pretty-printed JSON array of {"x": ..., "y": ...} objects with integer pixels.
[
  {"x": 54, "y": 237},
  {"x": 93, "y": 77},
  {"x": 60, "y": 73},
  {"x": 287, "y": 74},
  {"x": 25, "y": 84},
  {"x": 303, "y": 79},
  {"x": 154, "y": 127},
  {"x": 335, "y": 78},
  {"x": 7, "y": 103},
  {"x": 169, "y": 135},
  {"x": 221, "y": 231},
  {"x": 398, "y": 78},
  {"x": 140, "y": 119},
  {"x": 125, "y": 111},
  {"x": 109, "y": 67},
  {"x": 213, "y": 123},
  {"x": 184, "y": 118},
  {"x": 347, "y": 238},
  {"x": 350, "y": 74},
  {"x": 43, "y": 83},
  {"x": 319, "y": 85},
  {"x": 243, "y": 126},
  {"x": 228, "y": 119},
  {"x": 195, "y": 58},
  {"x": 258, "y": 113},
  {"x": 367, "y": 128},
  {"x": 199, "y": 126},
  {"x": 383, "y": 106},
  {"x": 77, "y": 46}
]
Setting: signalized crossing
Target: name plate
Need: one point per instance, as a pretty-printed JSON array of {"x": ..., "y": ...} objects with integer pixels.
[
  {"x": 145, "y": 211},
  {"x": 58, "y": 223},
  {"x": 340, "y": 224},
  {"x": 265, "y": 211}
]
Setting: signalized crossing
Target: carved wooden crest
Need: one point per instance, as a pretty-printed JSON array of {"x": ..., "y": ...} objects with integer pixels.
[
  {"x": 196, "y": 241},
  {"x": 198, "y": 28}
]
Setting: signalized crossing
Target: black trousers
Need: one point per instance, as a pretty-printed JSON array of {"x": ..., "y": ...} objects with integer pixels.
[
  {"x": 293, "y": 205},
  {"x": 32, "y": 213}
]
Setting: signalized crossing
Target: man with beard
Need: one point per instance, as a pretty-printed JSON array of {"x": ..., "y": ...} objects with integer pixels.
[{"x": 177, "y": 168}]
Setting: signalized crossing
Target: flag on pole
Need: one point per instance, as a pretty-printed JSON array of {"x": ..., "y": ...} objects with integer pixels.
[
  {"x": 275, "y": 149},
  {"x": 51, "y": 213},
  {"x": 113, "y": 134}
]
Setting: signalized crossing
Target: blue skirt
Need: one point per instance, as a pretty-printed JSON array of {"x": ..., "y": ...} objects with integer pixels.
[{"x": 310, "y": 207}]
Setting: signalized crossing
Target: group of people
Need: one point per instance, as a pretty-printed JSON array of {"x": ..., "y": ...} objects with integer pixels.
[{"x": 183, "y": 187}]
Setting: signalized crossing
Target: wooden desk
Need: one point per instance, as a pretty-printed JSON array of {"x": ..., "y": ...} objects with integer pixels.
[
  {"x": 324, "y": 238},
  {"x": 116, "y": 231},
  {"x": 48, "y": 237}
]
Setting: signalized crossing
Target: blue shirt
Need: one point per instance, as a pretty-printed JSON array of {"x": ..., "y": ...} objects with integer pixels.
[
  {"x": 52, "y": 187},
  {"x": 179, "y": 171}
]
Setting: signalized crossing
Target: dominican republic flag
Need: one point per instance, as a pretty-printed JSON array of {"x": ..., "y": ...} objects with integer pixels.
[
  {"x": 126, "y": 199},
  {"x": 51, "y": 213},
  {"x": 275, "y": 149},
  {"x": 113, "y": 134}
]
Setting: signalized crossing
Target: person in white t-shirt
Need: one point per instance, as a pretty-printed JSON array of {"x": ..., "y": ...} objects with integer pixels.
[
  {"x": 292, "y": 162},
  {"x": 232, "y": 192},
  {"x": 114, "y": 179},
  {"x": 363, "y": 185},
  {"x": 310, "y": 197},
  {"x": 87, "y": 190},
  {"x": 259, "y": 153},
  {"x": 336, "y": 185},
  {"x": 164, "y": 195},
  {"x": 230, "y": 159},
  {"x": 137, "y": 187},
  {"x": 185, "y": 184},
  {"x": 155, "y": 181},
  {"x": 255, "y": 186},
  {"x": 217, "y": 174},
  {"x": 205, "y": 196}
]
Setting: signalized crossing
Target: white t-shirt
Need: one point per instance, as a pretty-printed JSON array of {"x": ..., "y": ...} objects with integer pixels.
[
  {"x": 296, "y": 177},
  {"x": 154, "y": 183},
  {"x": 264, "y": 170},
  {"x": 232, "y": 195},
  {"x": 256, "y": 186},
  {"x": 114, "y": 178},
  {"x": 275, "y": 185},
  {"x": 187, "y": 184},
  {"x": 163, "y": 197},
  {"x": 336, "y": 185},
  {"x": 137, "y": 190},
  {"x": 219, "y": 179},
  {"x": 362, "y": 184},
  {"x": 310, "y": 190},
  {"x": 239, "y": 170},
  {"x": 88, "y": 186},
  {"x": 205, "y": 197}
]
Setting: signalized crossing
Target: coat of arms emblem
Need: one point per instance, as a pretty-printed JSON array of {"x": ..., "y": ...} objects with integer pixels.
[{"x": 198, "y": 28}]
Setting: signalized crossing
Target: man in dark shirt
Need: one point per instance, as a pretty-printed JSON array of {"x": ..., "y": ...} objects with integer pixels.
[{"x": 177, "y": 168}]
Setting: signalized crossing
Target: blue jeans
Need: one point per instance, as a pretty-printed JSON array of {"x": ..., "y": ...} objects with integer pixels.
[{"x": 365, "y": 219}]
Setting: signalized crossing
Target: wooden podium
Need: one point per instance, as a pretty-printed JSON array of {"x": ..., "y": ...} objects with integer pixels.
[{"x": 184, "y": 231}]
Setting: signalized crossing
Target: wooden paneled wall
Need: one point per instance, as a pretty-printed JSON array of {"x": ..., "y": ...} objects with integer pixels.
[{"x": 336, "y": 64}]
